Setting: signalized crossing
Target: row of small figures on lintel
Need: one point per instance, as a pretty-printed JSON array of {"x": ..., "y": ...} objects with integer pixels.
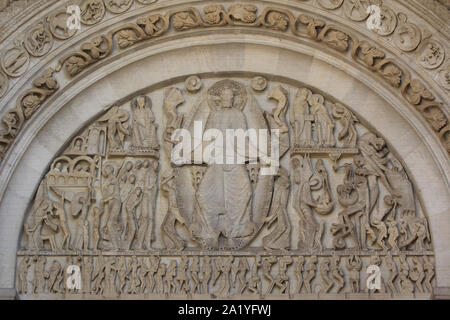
[{"x": 114, "y": 276}]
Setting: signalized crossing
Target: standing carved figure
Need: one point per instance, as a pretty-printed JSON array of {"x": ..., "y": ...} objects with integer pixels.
[
  {"x": 393, "y": 234},
  {"x": 310, "y": 232},
  {"x": 110, "y": 270},
  {"x": 354, "y": 265},
  {"x": 194, "y": 268},
  {"x": 348, "y": 134},
  {"x": 222, "y": 271},
  {"x": 130, "y": 208},
  {"x": 111, "y": 200},
  {"x": 172, "y": 99},
  {"x": 324, "y": 202},
  {"x": 54, "y": 272},
  {"x": 86, "y": 271},
  {"x": 159, "y": 278},
  {"x": 393, "y": 273},
  {"x": 59, "y": 212},
  {"x": 169, "y": 276},
  {"x": 324, "y": 269},
  {"x": 99, "y": 275},
  {"x": 254, "y": 283},
  {"x": 324, "y": 125},
  {"x": 206, "y": 272},
  {"x": 301, "y": 119},
  {"x": 154, "y": 265},
  {"x": 429, "y": 269},
  {"x": 122, "y": 274},
  {"x": 280, "y": 235},
  {"x": 404, "y": 283},
  {"x": 298, "y": 273},
  {"x": 133, "y": 274},
  {"x": 310, "y": 269},
  {"x": 145, "y": 234},
  {"x": 182, "y": 278},
  {"x": 39, "y": 274},
  {"x": 173, "y": 215},
  {"x": 267, "y": 267},
  {"x": 337, "y": 273},
  {"x": 22, "y": 273},
  {"x": 144, "y": 127},
  {"x": 96, "y": 213},
  {"x": 241, "y": 272},
  {"x": 417, "y": 274},
  {"x": 282, "y": 279},
  {"x": 117, "y": 130}
]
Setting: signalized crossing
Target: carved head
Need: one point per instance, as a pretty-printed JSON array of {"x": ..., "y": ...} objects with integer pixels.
[
  {"x": 108, "y": 170},
  {"x": 78, "y": 144},
  {"x": 140, "y": 101},
  {"x": 359, "y": 160},
  {"x": 379, "y": 143},
  {"x": 227, "y": 98},
  {"x": 227, "y": 94},
  {"x": 132, "y": 179}
]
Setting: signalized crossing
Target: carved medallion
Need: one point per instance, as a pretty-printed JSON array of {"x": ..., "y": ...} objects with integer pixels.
[
  {"x": 193, "y": 84},
  {"x": 444, "y": 77},
  {"x": 330, "y": 4},
  {"x": 431, "y": 54},
  {"x": 242, "y": 13},
  {"x": 146, "y": 1},
  {"x": 92, "y": 11},
  {"x": 15, "y": 61},
  {"x": 118, "y": 6},
  {"x": 38, "y": 41},
  {"x": 356, "y": 10},
  {"x": 388, "y": 21},
  {"x": 3, "y": 84},
  {"x": 57, "y": 22},
  {"x": 407, "y": 36},
  {"x": 259, "y": 83}
]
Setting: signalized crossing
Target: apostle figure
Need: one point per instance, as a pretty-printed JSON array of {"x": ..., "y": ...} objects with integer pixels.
[{"x": 144, "y": 127}]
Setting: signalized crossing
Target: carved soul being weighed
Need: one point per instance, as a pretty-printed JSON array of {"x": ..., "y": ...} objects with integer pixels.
[{"x": 138, "y": 225}]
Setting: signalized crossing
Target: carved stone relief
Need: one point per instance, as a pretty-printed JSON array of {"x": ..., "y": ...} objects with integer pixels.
[
  {"x": 118, "y": 6},
  {"x": 444, "y": 76},
  {"x": 58, "y": 25},
  {"x": 388, "y": 21},
  {"x": 431, "y": 54},
  {"x": 92, "y": 11},
  {"x": 140, "y": 225},
  {"x": 39, "y": 41},
  {"x": 3, "y": 83},
  {"x": 15, "y": 61},
  {"x": 407, "y": 37},
  {"x": 330, "y": 4}
]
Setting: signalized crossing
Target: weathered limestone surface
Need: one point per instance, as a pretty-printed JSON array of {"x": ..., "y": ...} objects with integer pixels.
[{"x": 87, "y": 179}]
